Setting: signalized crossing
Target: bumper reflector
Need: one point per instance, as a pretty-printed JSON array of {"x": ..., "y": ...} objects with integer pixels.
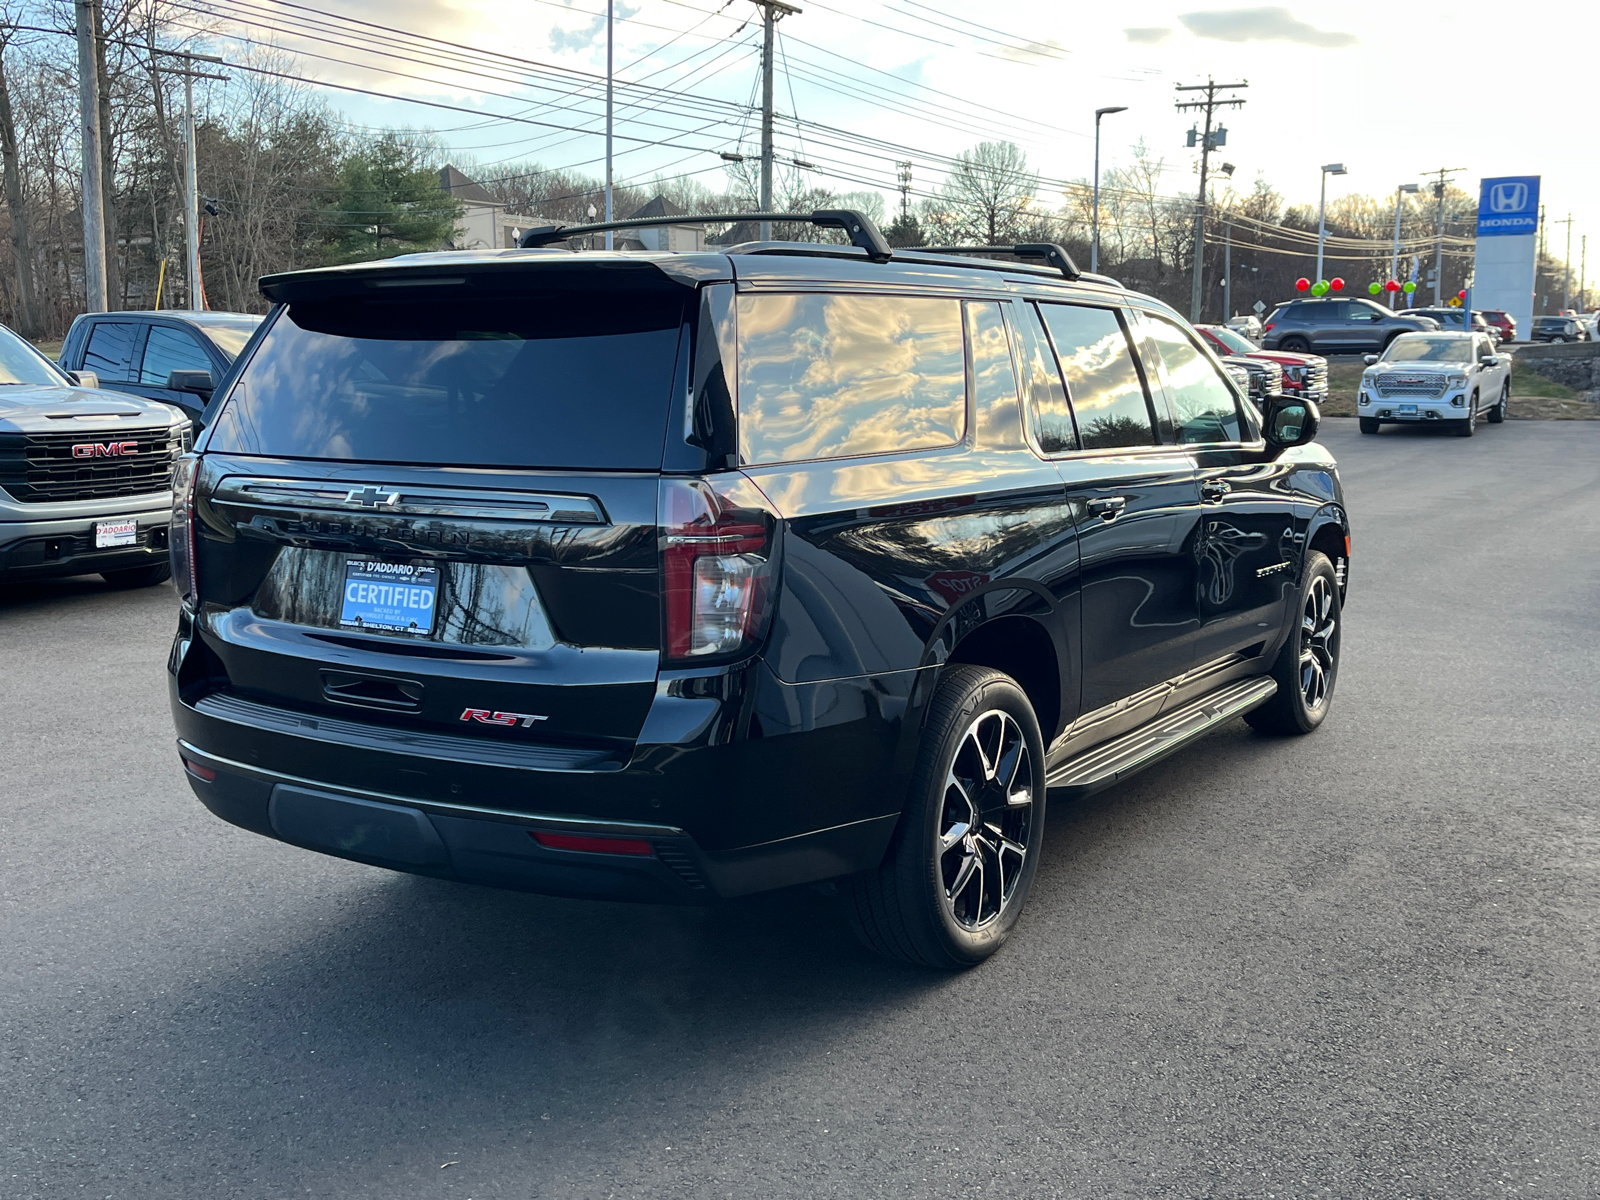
[
  {"x": 199, "y": 772},
  {"x": 593, "y": 845}
]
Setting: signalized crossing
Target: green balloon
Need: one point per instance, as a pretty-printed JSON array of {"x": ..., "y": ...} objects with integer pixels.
[
  {"x": 1319, "y": 288},
  {"x": 1374, "y": 288},
  {"x": 1409, "y": 286}
]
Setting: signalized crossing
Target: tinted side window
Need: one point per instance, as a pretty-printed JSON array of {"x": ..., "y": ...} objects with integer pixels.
[
  {"x": 994, "y": 376},
  {"x": 1203, "y": 403},
  {"x": 828, "y": 376},
  {"x": 1107, "y": 395},
  {"x": 109, "y": 353},
  {"x": 167, "y": 350},
  {"x": 1047, "y": 399}
]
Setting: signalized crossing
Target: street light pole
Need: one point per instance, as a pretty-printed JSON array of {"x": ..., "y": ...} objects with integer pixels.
[
  {"x": 1322, "y": 210},
  {"x": 1394, "y": 262},
  {"x": 610, "y": 113},
  {"x": 1094, "y": 244}
]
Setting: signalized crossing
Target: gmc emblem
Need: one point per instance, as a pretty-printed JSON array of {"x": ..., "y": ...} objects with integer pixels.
[
  {"x": 104, "y": 449},
  {"x": 485, "y": 717}
]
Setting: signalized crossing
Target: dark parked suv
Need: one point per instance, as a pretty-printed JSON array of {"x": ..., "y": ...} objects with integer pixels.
[
  {"x": 682, "y": 576},
  {"x": 1337, "y": 326}
]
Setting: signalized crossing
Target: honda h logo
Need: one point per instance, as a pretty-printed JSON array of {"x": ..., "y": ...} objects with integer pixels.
[
  {"x": 104, "y": 449},
  {"x": 1508, "y": 197},
  {"x": 371, "y": 497}
]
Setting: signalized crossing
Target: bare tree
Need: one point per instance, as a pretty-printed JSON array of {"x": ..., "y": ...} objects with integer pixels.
[
  {"x": 988, "y": 196},
  {"x": 27, "y": 305}
]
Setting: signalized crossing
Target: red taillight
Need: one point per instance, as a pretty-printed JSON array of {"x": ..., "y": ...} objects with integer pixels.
[
  {"x": 180, "y": 535},
  {"x": 593, "y": 845},
  {"x": 716, "y": 561},
  {"x": 1267, "y": 328}
]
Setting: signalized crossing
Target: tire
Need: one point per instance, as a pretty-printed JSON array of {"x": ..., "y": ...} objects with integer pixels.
[
  {"x": 1308, "y": 665},
  {"x": 1295, "y": 345},
  {"x": 1497, "y": 414},
  {"x": 1559, "y": 339},
  {"x": 1469, "y": 426},
  {"x": 1368, "y": 424},
  {"x": 946, "y": 896},
  {"x": 138, "y": 577}
]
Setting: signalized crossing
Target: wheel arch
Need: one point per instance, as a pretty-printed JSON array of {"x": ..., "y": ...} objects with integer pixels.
[
  {"x": 1021, "y": 647},
  {"x": 1329, "y": 533}
]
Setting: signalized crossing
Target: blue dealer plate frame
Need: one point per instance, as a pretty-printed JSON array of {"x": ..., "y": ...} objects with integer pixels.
[{"x": 389, "y": 597}]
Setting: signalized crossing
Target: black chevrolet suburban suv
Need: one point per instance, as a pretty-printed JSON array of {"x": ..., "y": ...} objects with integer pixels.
[{"x": 683, "y": 576}]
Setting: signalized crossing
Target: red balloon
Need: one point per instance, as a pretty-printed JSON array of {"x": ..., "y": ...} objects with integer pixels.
[
  {"x": 1462, "y": 294},
  {"x": 1302, "y": 285},
  {"x": 1336, "y": 284},
  {"x": 1392, "y": 286}
]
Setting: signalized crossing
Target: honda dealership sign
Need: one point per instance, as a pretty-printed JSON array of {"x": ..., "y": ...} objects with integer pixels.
[{"x": 1508, "y": 239}]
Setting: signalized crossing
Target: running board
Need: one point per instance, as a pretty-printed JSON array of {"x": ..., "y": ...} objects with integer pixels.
[{"x": 1110, "y": 762}]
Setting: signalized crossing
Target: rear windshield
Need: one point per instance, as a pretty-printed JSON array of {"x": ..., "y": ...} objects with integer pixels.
[{"x": 579, "y": 380}]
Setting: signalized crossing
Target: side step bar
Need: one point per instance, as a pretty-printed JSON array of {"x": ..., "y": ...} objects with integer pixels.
[{"x": 1111, "y": 762}]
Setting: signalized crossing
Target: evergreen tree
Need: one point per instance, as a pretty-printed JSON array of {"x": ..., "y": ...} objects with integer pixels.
[{"x": 388, "y": 202}]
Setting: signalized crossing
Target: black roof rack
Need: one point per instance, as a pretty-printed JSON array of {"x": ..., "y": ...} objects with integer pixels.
[
  {"x": 862, "y": 232},
  {"x": 1054, "y": 255}
]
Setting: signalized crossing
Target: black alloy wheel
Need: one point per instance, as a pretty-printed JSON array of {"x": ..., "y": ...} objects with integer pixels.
[
  {"x": 1497, "y": 414},
  {"x": 963, "y": 857},
  {"x": 1469, "y": 426},
  {"x": 1308, "y": 665}
]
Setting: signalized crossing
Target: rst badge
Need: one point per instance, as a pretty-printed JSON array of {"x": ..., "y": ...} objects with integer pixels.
[{"x": 485, "y": 717}]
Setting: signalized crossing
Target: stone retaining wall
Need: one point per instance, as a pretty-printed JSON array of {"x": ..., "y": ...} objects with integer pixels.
[{"x": 1575, "y": 364}]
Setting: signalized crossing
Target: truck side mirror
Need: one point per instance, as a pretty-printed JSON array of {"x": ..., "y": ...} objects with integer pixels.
[
  {"x": 1290, "y": 422},
  {"x": 1370, "y": 359},
  {"x": 86, "y": 379},
  {"x": 198, "y": 382}
]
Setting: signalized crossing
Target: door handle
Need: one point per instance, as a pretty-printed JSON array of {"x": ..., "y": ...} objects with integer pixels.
[
  {"x": 1212, "y": 490},
  {"x": 1108, "y": 508}
]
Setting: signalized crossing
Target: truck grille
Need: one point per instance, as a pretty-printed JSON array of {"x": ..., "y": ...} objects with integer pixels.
[
  {"x": 1315, "y": 380},
  {"x": 40, "y": 468},
  {"x": 1410, "y": 383}
]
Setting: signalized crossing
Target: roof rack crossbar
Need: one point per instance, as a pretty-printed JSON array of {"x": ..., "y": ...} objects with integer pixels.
[
  {"x": 1053, "y": 254},
  {"x": 857, "y": 226}
]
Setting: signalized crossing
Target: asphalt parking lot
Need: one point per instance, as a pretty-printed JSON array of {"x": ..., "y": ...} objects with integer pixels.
[{"x": 1361, "y": 964}]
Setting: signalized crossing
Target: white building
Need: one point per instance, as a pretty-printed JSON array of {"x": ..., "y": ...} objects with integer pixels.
[{"x": 485, "y": 223}]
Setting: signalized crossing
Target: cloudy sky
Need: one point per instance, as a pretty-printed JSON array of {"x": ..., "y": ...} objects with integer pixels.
[{"x": 1392, "y": 90}]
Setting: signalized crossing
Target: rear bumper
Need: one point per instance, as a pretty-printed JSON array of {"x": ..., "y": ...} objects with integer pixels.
[
  {"x": 738, "y": 782},
  {"x": 498, "y": 848}
]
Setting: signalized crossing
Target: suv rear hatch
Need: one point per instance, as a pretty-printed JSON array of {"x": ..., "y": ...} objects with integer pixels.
[{"x": 426, "y": 513}]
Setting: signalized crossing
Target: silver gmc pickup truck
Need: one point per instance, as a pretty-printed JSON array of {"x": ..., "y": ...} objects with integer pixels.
[{"x": 85, "y": 475}]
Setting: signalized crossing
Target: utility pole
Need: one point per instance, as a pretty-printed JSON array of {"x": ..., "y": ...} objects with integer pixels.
[
  {"x": 1210, "y": 104},
  {"x": 1583, "y": 273},
  {"x": 771, "y": 12},
  {"x": 1566, "y": 286},
  {"x": 94, "y": 213},
  {"x": 191, "y": 184},
  {"x": 1539, "y": 262},
  {"x": 1227, "y": 272},
  {"x": 1444, "y": 174},
  {"x": 905, "y": 190}
]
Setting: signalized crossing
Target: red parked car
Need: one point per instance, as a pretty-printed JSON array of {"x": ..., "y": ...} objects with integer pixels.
[
  {"x": 1503, "y": 321},
  {"x": 1303, "y": 374}
]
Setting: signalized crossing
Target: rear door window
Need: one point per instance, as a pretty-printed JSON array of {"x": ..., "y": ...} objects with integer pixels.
[
  {"x": 831, "y": 376},
  {"x": 522, "y": 380},
  {"x": 1048, "y": 410},
  {"x": 167, "y": 350},
  {"x": 1204, "y": 406},
  {"x": 109, "y": 352},
  {"x": 1104, "y": 386}
]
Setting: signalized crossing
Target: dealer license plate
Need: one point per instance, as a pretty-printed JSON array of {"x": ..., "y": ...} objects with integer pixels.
[
  {"x": 389, "y": 597},
  {"x": 1408, "y": 410},
  {"x": 124, "y": 531}
]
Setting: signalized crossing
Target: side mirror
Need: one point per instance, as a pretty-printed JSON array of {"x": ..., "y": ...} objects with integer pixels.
[
  {"x": 1370, "y": 359},
  {"x": 198, "y": 382},
  {"x": 86, "y": 379},
  {"x": 1289, "y": 422},
  {"x": 1489, "y": 360}
]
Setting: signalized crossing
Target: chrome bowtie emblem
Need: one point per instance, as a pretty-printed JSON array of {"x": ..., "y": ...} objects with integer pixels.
[{"x": 372, "y": 497}]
